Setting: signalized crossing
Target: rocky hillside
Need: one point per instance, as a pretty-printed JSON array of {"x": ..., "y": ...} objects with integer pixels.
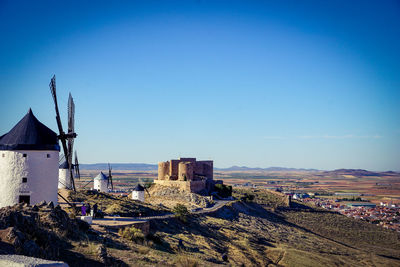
[
  {"x": 38, "y": 231},
  {"x": 246, "y": 234},
  {"x": 170, "y": 196},
  {"x": 258, "y": 230},
  {"x": 115, "y": 205}
]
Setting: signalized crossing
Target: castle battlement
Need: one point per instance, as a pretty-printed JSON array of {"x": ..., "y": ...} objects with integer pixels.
[{"x": 186, "y": 173}]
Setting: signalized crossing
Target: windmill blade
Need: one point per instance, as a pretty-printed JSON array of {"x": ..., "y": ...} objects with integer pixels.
[
  {"x": 147, "y": 191},
  {"x": 110, "y": 177},
  {"x": 70, "y": 149},
  {"x": 143, "y": 185},
  {"x": 61, "y": 159},
  {"x": 69, "y": 159},
  {"x": 77, "y": 172},
  {"x": 62, "y": 136},
  {"x": 90, "y": 181},
  {"x": 71, "y": 114},
  {"x": 71, "y": 135},
  {"x": 53, "y": 91},
  {"x": 71, "y": 123}
]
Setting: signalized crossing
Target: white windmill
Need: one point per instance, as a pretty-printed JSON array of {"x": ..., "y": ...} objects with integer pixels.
[
  {"x": 102, "y": 183},
  {"x": 138, "y": 193},
  {"x": 29, "y": 155}
]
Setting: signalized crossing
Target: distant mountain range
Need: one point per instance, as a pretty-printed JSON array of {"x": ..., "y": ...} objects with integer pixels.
[
  {"x": 154, "y": 167},
  {"x": 358, "y": 172},
  {"x": 120, "y": 166},
  {"x": 244, "y": 168}
]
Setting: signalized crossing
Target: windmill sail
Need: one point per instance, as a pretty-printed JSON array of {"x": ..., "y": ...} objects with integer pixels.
[
  {"x": 71, "y": 133},
  {"x": 110, "y": 182},
  {"x": 67, "y": 148},
  {"x": 76, "y": 167},
  {"x": 59, "y": 124}
]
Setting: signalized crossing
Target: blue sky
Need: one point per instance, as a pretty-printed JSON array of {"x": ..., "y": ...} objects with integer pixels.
[{"x": 306, "y": 84}]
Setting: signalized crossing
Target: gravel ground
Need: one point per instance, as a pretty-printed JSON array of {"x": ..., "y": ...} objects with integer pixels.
[{"x": 23, "y": 261}]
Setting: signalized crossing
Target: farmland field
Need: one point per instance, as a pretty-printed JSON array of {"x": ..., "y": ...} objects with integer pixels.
[{"x": 375, "y": 187}]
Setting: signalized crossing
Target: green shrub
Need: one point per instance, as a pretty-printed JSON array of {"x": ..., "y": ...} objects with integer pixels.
[
  {"x": 248, "y": 198},
  {"x": 132, "y": 234},
  {"x": 181, "y": 212},
  {"x": 223, "y": 190}
]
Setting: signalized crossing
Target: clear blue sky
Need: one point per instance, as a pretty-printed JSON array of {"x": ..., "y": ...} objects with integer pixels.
[{"x": 306, "y": 84}]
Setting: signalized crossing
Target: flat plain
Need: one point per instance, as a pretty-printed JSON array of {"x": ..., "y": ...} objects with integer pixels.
[{"x": 373, "y": 186}]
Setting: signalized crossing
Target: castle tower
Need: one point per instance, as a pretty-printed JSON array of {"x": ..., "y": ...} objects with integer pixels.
[
  {"x": 28, "y": 163},
  {"x": 138, "y": 193},
  {"x": 63, "y": 176},
  {"x": 163, "y": 170},
  {"x": 185, "y": 171},
  {"x": 101, "y": 183}
]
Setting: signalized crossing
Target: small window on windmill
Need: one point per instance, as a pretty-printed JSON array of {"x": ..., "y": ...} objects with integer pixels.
[
  {"x": 24, "y": 155},
  {"x": 48, "y": 155},
  {"x": 24, "y": 179},
  {"x": 3, "y": 155}
]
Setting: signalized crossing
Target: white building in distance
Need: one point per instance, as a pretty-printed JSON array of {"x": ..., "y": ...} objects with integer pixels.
[
  {"x": 138, "y": 193},
  {"x": 29, "y": 155},
  {"x": 63, "y": 176},
  {"x": 101, "y": 183}
]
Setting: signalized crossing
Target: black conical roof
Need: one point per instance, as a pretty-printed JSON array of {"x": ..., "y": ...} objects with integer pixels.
[
  {"x": 138, "y": 188},
  {"x": 29, "y": 134}
]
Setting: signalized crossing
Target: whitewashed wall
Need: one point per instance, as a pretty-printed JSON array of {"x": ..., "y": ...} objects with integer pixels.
[
  {"x": 100, "y": 185},
  {"x": 138, "y": 195},
  {"x": 41, "y": 173},
  {"x": 63, "y": 179}
]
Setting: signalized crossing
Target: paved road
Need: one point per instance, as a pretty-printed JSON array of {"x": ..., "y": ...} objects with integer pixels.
[{"x": 218, "y": 204}]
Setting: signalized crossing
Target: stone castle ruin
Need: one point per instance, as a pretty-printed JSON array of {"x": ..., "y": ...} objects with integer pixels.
[{"x": 187, "y": 174}]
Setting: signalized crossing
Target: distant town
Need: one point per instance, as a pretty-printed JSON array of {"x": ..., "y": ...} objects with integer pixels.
[{"x": 354, "y": 205}]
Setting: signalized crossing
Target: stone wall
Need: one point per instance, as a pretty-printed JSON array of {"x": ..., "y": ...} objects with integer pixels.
[
  {"x": 186, "y": 186},
  {"x": 185, "y": 171},
  {"x": 205, "y": 168},
  {"x": 185, "y": 167},
  {"x": 182, "y": 185},
  {"x": 197, "y": 186},
  {"x": 186, "y": 174},
  {"x": 163, "y": 170},
  {"x": 173, "y": 169}
]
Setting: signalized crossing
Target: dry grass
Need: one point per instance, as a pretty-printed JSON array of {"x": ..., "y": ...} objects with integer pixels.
[
  {"x": 116, "y": 205},
  {"x": 186, "y": 261},
  {"x": 251, "y": 234}
]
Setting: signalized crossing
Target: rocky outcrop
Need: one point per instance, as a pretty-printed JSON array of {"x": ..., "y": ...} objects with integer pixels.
[
  {"x": 159, "y": 191},
  {"x": 37, "y": 231}
]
